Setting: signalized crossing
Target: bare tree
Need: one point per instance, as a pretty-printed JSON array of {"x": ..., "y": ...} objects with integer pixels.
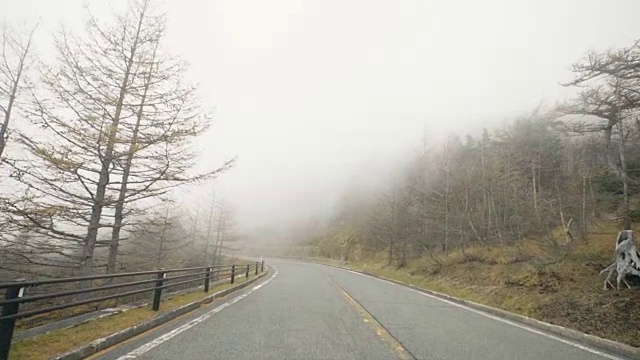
[
  {"x": 161, "y": 240},
  {"x": 205, "y": 254},
  {"x": 79, "y": 109},
  {"x": 15, "y": 62},
  {"x": 513, "y": 183},
  {"x": 118, "y": 122},
  {"x": 609, "y": 97},
  {"x": 226, "y": 232},
  {"x": 166, "y": 118}
]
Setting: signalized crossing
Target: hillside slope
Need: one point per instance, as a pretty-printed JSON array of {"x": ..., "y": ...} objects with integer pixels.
[{"x": 561, "y": 286}]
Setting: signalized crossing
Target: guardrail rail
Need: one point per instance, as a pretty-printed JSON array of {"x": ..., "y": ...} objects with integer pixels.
[{"x": 16, "y": 291}]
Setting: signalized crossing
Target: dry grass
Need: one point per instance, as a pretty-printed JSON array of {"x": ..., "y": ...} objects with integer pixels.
[
  {"x": 560, "y": 285},
  {"x": 53, "y": 316},
  {"x": 47, "y": 345}
]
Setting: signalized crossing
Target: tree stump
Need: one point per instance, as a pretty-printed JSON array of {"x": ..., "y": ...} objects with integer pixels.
[{"x": 626, "y": 264}]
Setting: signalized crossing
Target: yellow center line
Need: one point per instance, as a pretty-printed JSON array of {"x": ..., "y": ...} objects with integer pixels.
[{"x": 380, "y": 330}]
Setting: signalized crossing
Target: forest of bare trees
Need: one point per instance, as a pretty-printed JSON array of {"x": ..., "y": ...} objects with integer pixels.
[
  {"x": 548, "y": 175},
  {"x": 94, "y": 140},
  {"x": 92, "y": 143}
]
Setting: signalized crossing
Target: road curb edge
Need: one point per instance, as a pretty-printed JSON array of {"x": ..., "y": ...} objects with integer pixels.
[
  {"x": 128, "y": 333},
  {"x": 570, "y": 334}
]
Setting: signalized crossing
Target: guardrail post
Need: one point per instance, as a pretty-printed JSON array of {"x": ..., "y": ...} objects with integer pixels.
[
  {"x": 7, "y": 325},
  {"x": 233, "y": 273},
  {"x": 157, "y": 292},
  {"x": 207, "y": 278},
  {"x": 262, "y": 267},
  {"x": 256, "y": 268},
  {"x": 246, "y": 275}
]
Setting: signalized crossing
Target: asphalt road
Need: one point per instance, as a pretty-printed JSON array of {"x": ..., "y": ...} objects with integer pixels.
[{"x": 310, "y": 311}]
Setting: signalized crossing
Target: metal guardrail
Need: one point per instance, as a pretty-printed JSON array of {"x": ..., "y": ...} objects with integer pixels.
[{"x": 15, "y": 291}]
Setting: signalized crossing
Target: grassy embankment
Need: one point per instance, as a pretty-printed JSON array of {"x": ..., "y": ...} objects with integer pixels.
[{"x": 530, "y": 280}]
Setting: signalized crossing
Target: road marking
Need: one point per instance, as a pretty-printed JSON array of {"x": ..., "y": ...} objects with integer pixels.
[
  {"x": 380, "y": 330},
  {"x": 163, "y": 338},
  {"x": 524, "y": 327}
]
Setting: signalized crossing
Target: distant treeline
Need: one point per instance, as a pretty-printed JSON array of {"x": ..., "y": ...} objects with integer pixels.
[{"x": 545, "y": 176}]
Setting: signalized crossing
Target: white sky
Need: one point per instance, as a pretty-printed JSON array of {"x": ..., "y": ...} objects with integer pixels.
[{"x": 310, "y": 93}]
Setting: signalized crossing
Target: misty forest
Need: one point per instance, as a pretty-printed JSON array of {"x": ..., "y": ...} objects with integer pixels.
[
  {"x": 92, "y": 145},
  {"x": 525, "y": 216},
  {"x": 98, "y": 141}
]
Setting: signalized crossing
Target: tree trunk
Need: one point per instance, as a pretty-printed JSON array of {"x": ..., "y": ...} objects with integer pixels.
[
  {"x": 217, "y": 248},
  {"x": 160, "y": 258},
  {"x": 86, "y": 262},
  {"x": 205, "y": 260},
  {"x": 445, "y": 245},
  {"x": 584, "y": 208},
  {"x": 492, "y": 204},
  {"x": 486, "y": 215},
  {"x": 535, "y": 186},
  {"x": 117, "y": 225},
  {"x": 625, "y": 177},
  {"x": 593, "y": 198},
  {"x": 7, "y": 116},
  {"x": 508, "y": 177},
  {"x": 15, "y": 85}
]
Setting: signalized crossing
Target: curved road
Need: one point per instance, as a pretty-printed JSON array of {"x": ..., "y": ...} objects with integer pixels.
[{"x": 309, "y": 311}]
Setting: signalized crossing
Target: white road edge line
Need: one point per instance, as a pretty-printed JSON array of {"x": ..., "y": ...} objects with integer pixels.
[
  {"x": 161, "y": 339},
  {"x": 524, "y": 327}
]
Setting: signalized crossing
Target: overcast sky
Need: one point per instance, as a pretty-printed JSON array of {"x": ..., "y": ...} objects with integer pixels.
[{"x": 309, "y": 93}]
